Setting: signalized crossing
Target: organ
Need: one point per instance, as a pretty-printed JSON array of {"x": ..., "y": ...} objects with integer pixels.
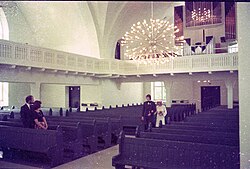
[{"x": 205, "y": 26}]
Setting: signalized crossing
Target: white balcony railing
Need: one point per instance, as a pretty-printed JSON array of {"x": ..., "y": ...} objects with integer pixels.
[{"x": 18, "y": 54}]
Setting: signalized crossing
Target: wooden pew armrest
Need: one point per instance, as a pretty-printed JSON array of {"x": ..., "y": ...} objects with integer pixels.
[
  {"x": 116, "y": 159},
  {"x": 56, "y": 154}
]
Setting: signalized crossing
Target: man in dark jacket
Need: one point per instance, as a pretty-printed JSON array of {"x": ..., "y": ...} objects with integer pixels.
[
  {"x": 148, "y": 111},
  {"x": 26, "y": 113}
]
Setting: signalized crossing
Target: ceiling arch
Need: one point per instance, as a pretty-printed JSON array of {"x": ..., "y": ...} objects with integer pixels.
[
  {"x": 4, "y": 27},
  {"x": 120, "y": 17},
  {"x": 88, "y": 28},
  {"x": 62, "y": 25}
]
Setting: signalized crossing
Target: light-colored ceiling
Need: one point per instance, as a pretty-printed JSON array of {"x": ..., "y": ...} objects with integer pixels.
[{"x": 88, "y": 28}]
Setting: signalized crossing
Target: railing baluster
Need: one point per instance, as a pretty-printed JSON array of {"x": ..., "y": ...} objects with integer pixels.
[
  {"x": 15, "y": 53},
  {"x": 172, "y": 64}
]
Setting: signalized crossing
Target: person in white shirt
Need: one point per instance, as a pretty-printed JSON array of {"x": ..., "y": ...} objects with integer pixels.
[{"x": 161, "y": 112}]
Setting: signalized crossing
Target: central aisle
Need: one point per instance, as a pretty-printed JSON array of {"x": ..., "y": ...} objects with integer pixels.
[{"x": 98, "y": 160}]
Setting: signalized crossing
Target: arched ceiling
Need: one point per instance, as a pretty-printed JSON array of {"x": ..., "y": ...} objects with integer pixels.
[{"x": 88, "y": 28}]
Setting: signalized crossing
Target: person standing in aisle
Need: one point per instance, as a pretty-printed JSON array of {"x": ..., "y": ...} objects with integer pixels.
[
  {"x": 161, "y": 112},
  {"x": 148, "y": 111}
]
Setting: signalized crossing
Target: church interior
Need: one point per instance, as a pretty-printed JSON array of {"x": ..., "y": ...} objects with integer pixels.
[{"x": 124, "y": 85}]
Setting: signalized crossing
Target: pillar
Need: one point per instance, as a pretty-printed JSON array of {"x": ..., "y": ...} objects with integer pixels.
[
  {"x": 35, "y": 90},
  {"x": 229, "y": 85},
  {"x": 243, "y": 25},
  {"x": 168, "y": 86}
]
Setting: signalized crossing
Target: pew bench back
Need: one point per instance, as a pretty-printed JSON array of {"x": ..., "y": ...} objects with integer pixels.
[
  {"x": 43, "y": 141},
  {"x": 165, "y": 154}
]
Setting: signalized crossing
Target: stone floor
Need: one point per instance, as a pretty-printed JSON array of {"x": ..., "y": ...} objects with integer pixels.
[{"x": 99, "y": 160}]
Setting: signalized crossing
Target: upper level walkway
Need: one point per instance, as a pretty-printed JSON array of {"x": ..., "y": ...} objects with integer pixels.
[{"x": 23, "y": 55}]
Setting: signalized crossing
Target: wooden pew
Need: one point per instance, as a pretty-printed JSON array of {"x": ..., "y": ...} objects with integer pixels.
[
  {"x": 206, "y": 139},
  {"x": 103, "y": 127},
  {"x": 216, "y": 115},
  {"x": 116, "y": 125},
  {"x": 4, "y": 115},
  {"x": 129, "y": 124},
  {"x": 12, "y": 123},
  {"x": 131, "y": 116},
  {"x": 200, "y": 119},
  {"x": 73, "y": 136},
  {"x": 195, "y": 132},
  {"x": 71, "y": 139},
  {"x": 165, "y": 154},
  {"x": 88, "y": 130},
  {"x": 201, "y": 128},
  {"x": 210, "y": 124},
  {"x": 47, "y": 142},
  {"x": 90, "y": 136}
]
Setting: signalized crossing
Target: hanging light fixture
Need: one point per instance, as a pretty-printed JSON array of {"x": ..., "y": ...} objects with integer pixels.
[
  {"x": 201, "y": 12},
  {"x": 151, "y": 42},
  {"x": 201, "y": 15}
]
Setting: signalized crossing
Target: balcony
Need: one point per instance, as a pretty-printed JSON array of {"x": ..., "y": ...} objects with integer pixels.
[{"x": 22, "y": 55}]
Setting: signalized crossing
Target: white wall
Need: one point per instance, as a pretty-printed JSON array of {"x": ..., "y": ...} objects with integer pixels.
[
  {"x": 146, "y": 89},
  {"x": 127, "y": 94},
  {"x": 18, "y": 93},
  {"x": 19, "y": 28},
  {"x": 191, "y": 90},
  {"x": 182, "y": 90},
  {"x": 243, "y": 25},
  {"x": 65, "y": 26},
  {"x": 53, "y": 95},
  {"x": 105, "y": 94},
  {"x": 91, "y": 94}
]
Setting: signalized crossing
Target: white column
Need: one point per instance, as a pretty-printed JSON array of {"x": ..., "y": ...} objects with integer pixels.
[
  {"x": 35, "y": 90},
  {"x": 243, "y": 25},
  {"x": 168, "y": 86},
  {"x": 229, "y": 85}
]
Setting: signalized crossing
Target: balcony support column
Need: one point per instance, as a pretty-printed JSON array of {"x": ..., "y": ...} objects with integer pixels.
[
  {"x": 229, "y": 85},
  {"x": 168, "y": 86},
  {"x": 242, "y": 27},
  {"x": 35, "y": 90}
]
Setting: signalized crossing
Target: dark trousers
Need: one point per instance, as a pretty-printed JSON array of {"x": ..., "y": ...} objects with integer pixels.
[{"x": 149, "y": 122}]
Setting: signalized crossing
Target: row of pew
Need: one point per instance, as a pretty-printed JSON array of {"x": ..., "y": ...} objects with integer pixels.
[
  {"x": 79, "y": 135},
  {"x": 47, "y": 142},
  {"x": 6, "y": 112},
  {"x": 207, "y": 140},
  {"x": 79, "y": 132}
]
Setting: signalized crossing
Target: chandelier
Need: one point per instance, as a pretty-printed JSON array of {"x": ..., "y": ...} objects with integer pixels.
[
  {"x": 151, "y": 42},
  {"x": 201, "y": 15}
]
